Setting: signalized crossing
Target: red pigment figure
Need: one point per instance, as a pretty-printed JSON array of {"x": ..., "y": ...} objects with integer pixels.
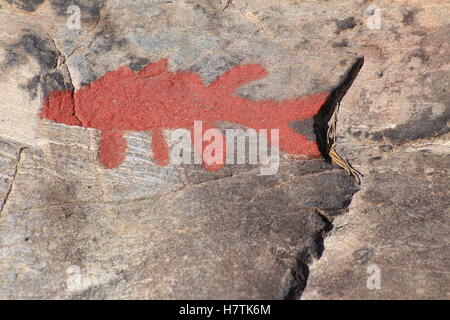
[{"x": 155, "y": 99}]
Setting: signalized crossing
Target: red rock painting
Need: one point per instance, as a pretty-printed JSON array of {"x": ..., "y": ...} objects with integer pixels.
[{"x": 155, "y": 99}]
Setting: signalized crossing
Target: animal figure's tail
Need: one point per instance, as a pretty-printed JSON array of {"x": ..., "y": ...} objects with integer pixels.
[{"x": 267, "y": 114}]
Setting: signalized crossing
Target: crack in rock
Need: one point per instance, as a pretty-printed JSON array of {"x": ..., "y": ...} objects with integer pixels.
[
  {"x": 8, "y": 192},
  {"x": 313, "y": 252},
  {"x": 300, "y": 273}
]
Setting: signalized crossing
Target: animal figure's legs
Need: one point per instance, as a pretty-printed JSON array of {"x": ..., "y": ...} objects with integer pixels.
[
  {"x": 112, "y": 148},
  {"x": 159, "y": 148},
  {"x": 212, "y": 144}
]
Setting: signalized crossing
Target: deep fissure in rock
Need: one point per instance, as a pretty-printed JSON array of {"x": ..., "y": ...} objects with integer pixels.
[
  {"x": 323, "y": 117},
  {"x": 300, "y": 273}
]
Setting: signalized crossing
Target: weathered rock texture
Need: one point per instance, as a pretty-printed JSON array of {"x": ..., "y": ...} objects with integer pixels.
[
  {"x": 393, "y": 126},
  {"x": 72, "y": 229}
]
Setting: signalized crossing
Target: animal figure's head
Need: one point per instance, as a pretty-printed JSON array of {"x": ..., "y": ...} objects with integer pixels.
[{"x": 59, "y": 106}]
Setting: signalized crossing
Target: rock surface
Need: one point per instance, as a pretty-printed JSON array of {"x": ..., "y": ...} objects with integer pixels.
[
  {"x": 393, "y": 126},
  {"x": 397, "y": 225},
  {"x": 71, "y": 229}
]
